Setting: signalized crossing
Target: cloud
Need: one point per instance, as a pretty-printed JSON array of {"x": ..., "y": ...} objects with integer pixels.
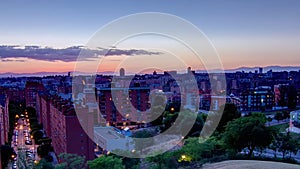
[
  {"x": 129, "y": 52},
  {"x": 69, "y": 54},
  {"x": 12, "y": 60}
]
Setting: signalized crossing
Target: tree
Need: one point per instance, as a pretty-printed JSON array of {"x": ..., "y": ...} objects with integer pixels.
[
  {"x": 198, "y": 125},
  {"x": 193, "y": 150},
  {"x": 181, "y": 122},
  {"x": 229, "y": 112},
  {"x": 248, "y": 132},
  {"x": 202, "y": 150},
  {"x": 286, "y": 114},
  {"x": 285, "y": 144},
  {"x": 276, "y": 142},
  {"x": 31, "y": 111},
  {"x": 71, "y": 161},
  {"x": 37, "y": 135},
  {"x": 45, "y": 140},
  {"x": 6, "y": 153},
  {"x": 168, "y": 119},
  {"x": 106, "y": 162},
  {"x": 269, "y": 119},
  {"x": 167, "y": 160},
  {"x": 43, "y": 150},
  {"x": 129, "y": 163},
  {"x": 278, "y": 116},
  {"x": 43, "y": 164},
  {"x": 141, "y": 143}
]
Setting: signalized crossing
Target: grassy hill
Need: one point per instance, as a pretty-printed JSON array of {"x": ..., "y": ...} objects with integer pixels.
[{"x": 250, "y": 164}]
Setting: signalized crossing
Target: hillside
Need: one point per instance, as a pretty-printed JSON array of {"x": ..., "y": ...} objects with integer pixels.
[{"x": 250, "y": 164}]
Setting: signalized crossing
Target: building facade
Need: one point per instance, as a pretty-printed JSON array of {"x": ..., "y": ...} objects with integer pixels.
[
  {"x": 124, "y": 107},
  {"x": 4, "y": 119},
  {"x": 63, "y": 127},
  {"x": 258, "y": 99},
  {"x": 31, "y": 90}
]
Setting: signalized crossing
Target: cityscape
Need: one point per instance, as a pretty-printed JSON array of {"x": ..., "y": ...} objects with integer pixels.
[
  {"x": 39, "y": 122},
  {"x": 150, "y": 84}
]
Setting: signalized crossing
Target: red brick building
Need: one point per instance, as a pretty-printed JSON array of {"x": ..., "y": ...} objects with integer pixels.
[
  {"x": 43, "y": 108},
  {"x": 124, "y": 106},
  {"x": 15, "y": 94},
  {"x": 31, "y": 90},
  {"x": 4, "y": 119},
  {"x": 64, "y": 128}
]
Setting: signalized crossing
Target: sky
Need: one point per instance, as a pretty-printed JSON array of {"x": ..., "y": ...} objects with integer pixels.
[{"x": 243, "y": 33}]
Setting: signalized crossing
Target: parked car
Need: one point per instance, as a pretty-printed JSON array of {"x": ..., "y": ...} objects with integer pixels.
[
  {"x": 14, "y": 166},
  {"x": 28, "y": 142},
  {"x": 29, "y": 151}
]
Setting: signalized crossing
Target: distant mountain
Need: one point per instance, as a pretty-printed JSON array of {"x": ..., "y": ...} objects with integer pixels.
[
  {"x": 265, "y": 69},
  {"x": 246, "y": 69},
  {"x": 41, "y": 74}
]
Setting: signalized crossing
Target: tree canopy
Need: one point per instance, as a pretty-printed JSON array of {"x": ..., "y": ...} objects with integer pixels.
[
  {"x": 229, "y": 112},
  {"x": 6, "y": 153},
  {"x": 71, "y": 161},
  {"x": 106, "y": 162},
  {"x": 247, "y": 132},
  {"x": 43, "y": 164}
]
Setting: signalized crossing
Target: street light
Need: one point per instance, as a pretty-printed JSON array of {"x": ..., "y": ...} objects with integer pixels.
[{"x": 183, "y": 157}]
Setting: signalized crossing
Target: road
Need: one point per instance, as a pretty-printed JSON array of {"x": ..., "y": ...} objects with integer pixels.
[
  {"x": 270, "y": 153},
  {"x": 275, "y": 122},
  {"x": 24, "y": 160}
]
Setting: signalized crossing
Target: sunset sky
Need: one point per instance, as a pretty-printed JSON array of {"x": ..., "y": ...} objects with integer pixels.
[{"x": 244, "y": 33}]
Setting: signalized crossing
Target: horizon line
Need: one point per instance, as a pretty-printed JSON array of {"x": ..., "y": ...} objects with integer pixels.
[{"x": 230, "y": 70}]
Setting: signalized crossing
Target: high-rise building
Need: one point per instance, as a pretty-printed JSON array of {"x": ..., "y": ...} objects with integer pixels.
[
  {"x": 31, "y": 90},
  {"x": 189, "y": 70},
  {"x": 63, "y": 127},
  {"x": 122, "y": 72},
  {"x": 260, "y": 70}
]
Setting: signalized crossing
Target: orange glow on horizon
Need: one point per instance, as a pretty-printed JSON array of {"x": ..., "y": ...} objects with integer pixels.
[{"x": 33, "y": 66}]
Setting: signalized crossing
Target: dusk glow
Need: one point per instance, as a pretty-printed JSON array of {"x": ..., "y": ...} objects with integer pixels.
[
  {"x": 142, "y": 84},
  {"x": 253, "y": 33}
]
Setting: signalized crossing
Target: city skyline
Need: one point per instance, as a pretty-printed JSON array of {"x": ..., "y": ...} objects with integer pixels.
[
  {"x": 244, "y": 34},
  {"x": 149, "y": 84}
]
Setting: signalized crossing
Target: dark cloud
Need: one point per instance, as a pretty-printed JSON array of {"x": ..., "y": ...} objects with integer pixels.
[
  {"x": 66, "y": 55},
  {"x": 12, "y": 60}
]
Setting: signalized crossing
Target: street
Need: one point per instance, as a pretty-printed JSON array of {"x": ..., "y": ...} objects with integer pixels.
[
  {"x": 270, "y": 153},
  {"x": 24, "y": 146}
]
